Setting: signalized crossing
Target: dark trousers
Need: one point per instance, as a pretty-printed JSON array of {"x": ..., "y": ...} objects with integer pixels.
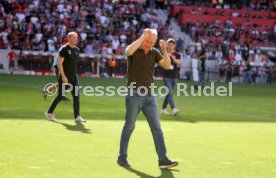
[
  {"x": 111, "y": 70},
  {"x": 75, "y": 93},
  {"x": 201, "y": 78},
  {"x": 269, "y": 77},
  {"x": 228, "y": 76}
]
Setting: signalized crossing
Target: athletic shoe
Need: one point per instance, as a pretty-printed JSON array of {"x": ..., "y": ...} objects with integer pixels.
[
  {"x": 50, "y": 117},
  {"x": 164, "y": 111},
  {"x": 79, "y": 120},
  {"x": 165, "y": 164},
  {"x": 175, "y": 111},
  {"x": 44, "y": 94},
  {"x": 122, "y": 161}
]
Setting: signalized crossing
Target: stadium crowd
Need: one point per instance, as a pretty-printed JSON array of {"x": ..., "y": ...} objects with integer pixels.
[
  {"x": 103, "y": 26},
  {"x": 264, "y": 5},
  {"x": 232, "y": 33},
  {"x": 106, "y": 28},
  {"x": 228, "y": 28}
]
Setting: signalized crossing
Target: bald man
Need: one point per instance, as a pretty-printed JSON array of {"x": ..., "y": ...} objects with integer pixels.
[
  {"x": 142, "y": 57},
  {"x": 67, "y": 61}
]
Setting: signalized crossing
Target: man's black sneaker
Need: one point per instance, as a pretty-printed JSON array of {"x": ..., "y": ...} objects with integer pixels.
[
  {"x": 164, "y": 164},
  {"x": 122, "y": 161}
]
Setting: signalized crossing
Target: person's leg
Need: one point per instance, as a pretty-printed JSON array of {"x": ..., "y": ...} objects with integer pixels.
[
  {"x": 110, "y": 72},
  {"x": 250, "y": 78},
  {"x": 244, "y": 77},
  {"x": 254, "y": 76},
  {"x": 227, "y": 77},
  {"x": 150, "y": 110},
  {"x": 57, "y": 98},
  {"x": 203, "y": 79},
  {"x": 11, "y": 67},
  {"x": 199, "y": 83},
  {"x": 133, "y": 107},
  {"x": 265, "y": 77},
  {"x": 171, "y": 101},
  {"x": 269, "y": 77},
  {"x": 76, "y": 98},
  {"x": 168, "y": 85},
  {"x": 262, "y": 78},
  {"x": 76, "y": 102}
]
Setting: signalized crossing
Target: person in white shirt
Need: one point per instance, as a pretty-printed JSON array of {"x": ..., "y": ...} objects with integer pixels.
[
  {"x": 238, "y": 58},
  {"x": 115, "y": 44}
]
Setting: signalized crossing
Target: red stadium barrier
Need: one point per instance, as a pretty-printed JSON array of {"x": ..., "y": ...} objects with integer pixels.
[
  {"x": 184, "y": 18},
  {"x": 228, "y": 12}
]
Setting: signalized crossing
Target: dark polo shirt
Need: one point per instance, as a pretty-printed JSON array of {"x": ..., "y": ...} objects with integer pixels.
[
  {"x": 71, "y": 56},
  {"x": 141, "y": 67}
]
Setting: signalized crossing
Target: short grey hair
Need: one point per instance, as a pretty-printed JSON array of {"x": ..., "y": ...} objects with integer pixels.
[{"x": 71, "y": 33}]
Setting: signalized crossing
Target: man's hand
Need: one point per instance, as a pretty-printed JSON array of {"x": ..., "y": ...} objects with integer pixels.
[
  {"x": 171, "y": 56},
  {"x": 130, "y": 49},
  {"x": 163, "y": 45},
  {"x": 64, "y": 80}
]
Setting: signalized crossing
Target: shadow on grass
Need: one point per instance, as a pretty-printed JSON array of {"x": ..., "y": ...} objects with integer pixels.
[
  {"x": 76, "y": 127},
  {"x": 165, "y": 173}
]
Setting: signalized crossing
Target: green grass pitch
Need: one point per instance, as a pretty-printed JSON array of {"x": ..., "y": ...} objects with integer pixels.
[{"x": 212, "y": 137}]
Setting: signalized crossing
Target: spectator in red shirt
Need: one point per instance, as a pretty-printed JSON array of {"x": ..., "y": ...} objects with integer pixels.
[{"x": 11, "y": 58}]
